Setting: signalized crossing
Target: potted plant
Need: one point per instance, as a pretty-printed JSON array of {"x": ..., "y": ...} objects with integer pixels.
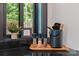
[{"x": 14, "y": 29}]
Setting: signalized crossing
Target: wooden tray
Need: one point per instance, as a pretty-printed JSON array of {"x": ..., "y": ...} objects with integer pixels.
[{"x": 48, "y": 48}]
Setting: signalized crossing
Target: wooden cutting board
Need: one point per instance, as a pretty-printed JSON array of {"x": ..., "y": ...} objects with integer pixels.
[{"x": 36, "y": 47}]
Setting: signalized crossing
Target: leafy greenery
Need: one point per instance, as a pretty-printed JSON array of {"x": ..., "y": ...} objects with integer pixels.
[
  {"x": 13, "y": 28},
  {"x": 28, "y": 11},
  {"x": 13, "y": 12}
]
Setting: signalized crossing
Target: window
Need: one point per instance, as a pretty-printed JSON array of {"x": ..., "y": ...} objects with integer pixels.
[
  {"x": 25, "y": 15},
  {"x": 12, "y": 14},
  {"x": 28, "y": 17}
]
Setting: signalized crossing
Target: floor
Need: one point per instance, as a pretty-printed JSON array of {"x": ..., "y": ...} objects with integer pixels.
[{"x": 22, "y": 51}]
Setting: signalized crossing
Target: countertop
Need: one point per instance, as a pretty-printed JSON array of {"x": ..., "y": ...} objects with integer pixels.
[{"x": 22, "y": 51}]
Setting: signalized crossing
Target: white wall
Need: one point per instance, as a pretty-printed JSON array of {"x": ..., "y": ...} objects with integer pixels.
[{"x": 68, "y": 14}]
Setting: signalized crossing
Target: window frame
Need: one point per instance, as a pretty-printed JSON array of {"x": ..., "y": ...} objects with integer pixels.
[{"x": 21, "y": 18}]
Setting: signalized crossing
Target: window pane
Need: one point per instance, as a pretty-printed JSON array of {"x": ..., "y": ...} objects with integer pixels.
[
  {"x": 28, "y": 13},
  {"x": 12, "y": 14}
]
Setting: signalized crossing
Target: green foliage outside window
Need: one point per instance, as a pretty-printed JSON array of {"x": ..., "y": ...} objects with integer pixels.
[
  {"x": 12, "y": 12},
  {"x": 28, "y": 11}
]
